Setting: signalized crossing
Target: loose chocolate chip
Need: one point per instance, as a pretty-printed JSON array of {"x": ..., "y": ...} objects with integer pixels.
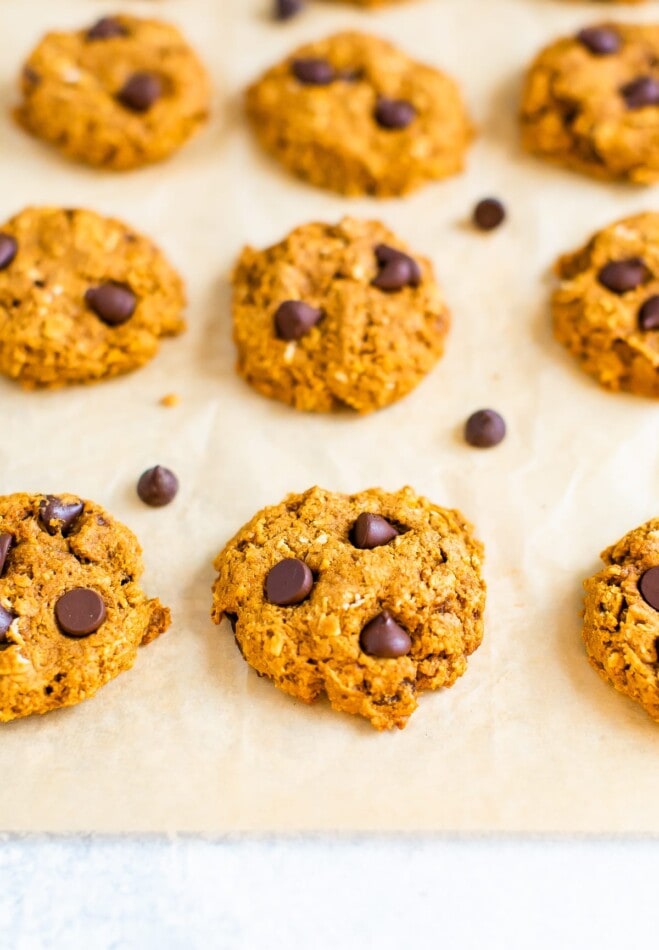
[
  {"x": 106, "y": 29},
  {"x": 600, "y": 40},
  {"x": 6, "y": 541},
  {"x": 313, "y": 72},
  {"x": 140, "y": 92},
  {"x": 6, "y": 620},
  {"x": 489, "y": 214},
  {"x": 621, "y": 276},
  {"x": 57, "y": 515},
  {"x": 394, "y": 113},
  {"x": 157, "y": 486},
  {"x": 80, "y": 612},
  {"x": 112, "y": 302},
  {"x": 641, "y": 92},
  {"x": 288, "y": 582},
  {"x": 372, "y": 531},
  {"x": 285, "y": 9},
  {"x": 8, "y": 250},
  {"x": 398, "y": 270},
  {"x": 648, "y": 315},
  {"x": 649, "y": 587},
  {"x": 294, "y": 319},
  {"x": 383, "y": 637},
  {"x": 485, "y": 429}
]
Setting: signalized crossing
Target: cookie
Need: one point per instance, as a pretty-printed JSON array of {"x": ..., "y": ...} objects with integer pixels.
[
  {"x": 72, "y": 614},
  {"x": 621, "y": 617},
  {"x": 353, "y": 114},
  {"x": 369, "y": 598},
  {"x": 606, "y": 309},
  {"x": 118, "y": 94},
  {"x": 337, "y": 316},
  {"x": 82, "y": 298},
  {"x": 591, "y": 102}
]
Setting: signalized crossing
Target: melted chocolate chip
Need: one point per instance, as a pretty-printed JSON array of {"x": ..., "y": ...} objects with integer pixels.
[
  {"x": 372, "y": 531},
  {"x": 313, "y": 72},
  {"x": 140, "y": 92},
  {"x": 294, "y": 319},
  {"x": 6, "y": 541},
  {"x": 289, "y": 582},
  {"x": 384, "y": 638},
  {"x": 648, "y": 315},
  {"x": 648, "y": 585},
  {"x": 394, "y": 113},
  {"x": 157, "y": 486},
  {"x": 600, "y": 40},
  {"x": 6, "y": 620},
  {"x": 106, "y": 28},
  {"x": 8, "y": 250},
  {"x": 80, "y": 612},
  {"x": 641, "y": 92},
  {"x": 112, "y": 302},
  {"x": 622, "y": 276},
  {"x": 397, "y": 270},
  {"x": 57, "y": 515},
  {"x": 485, "y": 429}
]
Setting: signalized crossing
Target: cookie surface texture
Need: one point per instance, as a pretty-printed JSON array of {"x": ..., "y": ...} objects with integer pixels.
[
  {"x": 606, "y": 309},
  {"x": 621, "y": 619},
  {"x": 82, "y": 298},
  {"x": 364, "y": 345},
  {"x": 354, "y": 114},
  {"x": 72, "y": 614},
  {"x": 385, "y": 598},
  {"x": 116, "y": 96}
]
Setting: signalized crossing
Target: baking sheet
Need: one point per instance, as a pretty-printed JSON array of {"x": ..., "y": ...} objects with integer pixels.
[{"x": 192, "y": 740}]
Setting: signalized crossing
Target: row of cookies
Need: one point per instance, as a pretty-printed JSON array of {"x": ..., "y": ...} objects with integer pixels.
[
  {"x": 369, "y": 599},
  {"x": 351, "y": 113},
  {"x": 331, "y": 317}
]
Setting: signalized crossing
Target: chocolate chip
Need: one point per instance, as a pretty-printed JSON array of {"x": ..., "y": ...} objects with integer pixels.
[
  {"x": 6, "y": 541},
  {"x": 394, "y": 113},
  {"x": 621, "y": 276},
  {"x": 140, "y": 92},
  {"x": 398, "y": 270},
  {"x": 288, "y": 582},
  {"x": 485, "y": 429},
  {"x": 285, "y": 9},
  {"x": 489, "y": 214},
  {"x": 313, "y": 72},
  {"x": 57, "y": 515},
  {"x": 648, "y": 585},
  {"x": 383, "y": 637},
  {"x": 106, "y": 29},
  {"x": 6, "y": 620},
  {"x": 80, "y": 612},
  {"x": 8, "y": 250},
  {"x": 648, "y": 315},
  {"x": 112, "y": 302},
  {"x": 372, "y": 531},
  {"x": 641, "y": 92},
  {"x": 157, "y": 486},
  {"x": 294, "y": 319},
  {"x": 600, "y": 40}
]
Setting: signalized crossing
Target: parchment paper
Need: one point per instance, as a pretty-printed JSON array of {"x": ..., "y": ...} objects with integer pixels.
[{"x": 192, "y": 740}]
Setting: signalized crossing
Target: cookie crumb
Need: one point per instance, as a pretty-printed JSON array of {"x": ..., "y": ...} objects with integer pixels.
[{"x": 170, "y": 400}]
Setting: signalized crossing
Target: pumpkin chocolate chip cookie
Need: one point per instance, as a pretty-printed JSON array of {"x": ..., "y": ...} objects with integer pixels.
[
  {"x": 368, "y": 598},
  {"x": 591, "y": 102},
  {"x": 606, "y": 309},
  {"x": 354, "y": 114},
  {"x": 82, "y": 298},
  {"x": 118, "y": 94},
  {"x": 337, "y": 316},
  {"x": 621, "y": 619},
  {"x": 72, "y": 614}
]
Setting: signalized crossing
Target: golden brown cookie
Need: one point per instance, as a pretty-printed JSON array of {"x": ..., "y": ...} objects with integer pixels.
[
  {"x": 354, "y": 114},
  {"x": 591, "y": 102},
  {"x": 120, "y": 93},
  {"x": 368, "y": 598},
  {"x": 337, "y": 316},
  {"x": 72, "y": 614},
  {"x": 606, "y": 309},
  {"x": 82, "y": 298},
  {"x": 621, "y": 620}
]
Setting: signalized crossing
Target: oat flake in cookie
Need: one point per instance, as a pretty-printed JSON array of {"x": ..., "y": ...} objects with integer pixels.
[
  {"x": 119, "y": 93},
  {"x": 606, "y": 309},
  {"x": 368, "y": 598},
  {"x": 72, "y": 613},
  {"x": 82, "y": 298},
  {"x": 591, "y": 102},
  {"x": 621, "y": 619},
  {"x": 337, "y": 316},
  {"x": 354, "y": 114}
]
